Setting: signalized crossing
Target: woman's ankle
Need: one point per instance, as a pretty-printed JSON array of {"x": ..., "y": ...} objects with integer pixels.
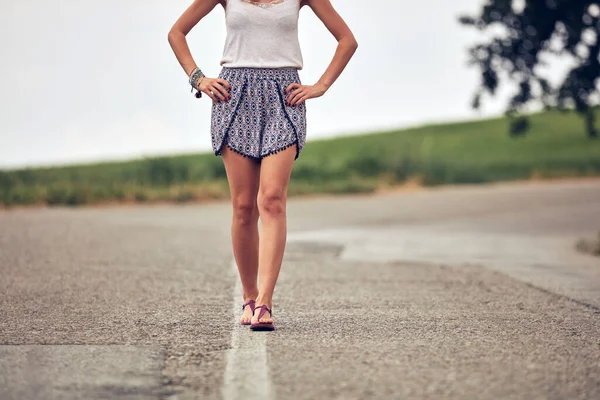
[
  {"x": 250, "y": 295},
  {"x": 264, "y": 300}
]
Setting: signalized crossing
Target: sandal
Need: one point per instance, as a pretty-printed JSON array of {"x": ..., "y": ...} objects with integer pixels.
[
  {"x": 250, "y": 303},
  {"x": 262, "y": 326}
]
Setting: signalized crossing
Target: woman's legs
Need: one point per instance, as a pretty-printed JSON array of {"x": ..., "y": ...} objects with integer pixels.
[
  {"x": 275, "y": 173},
  {"x": 243, "y": 176}
]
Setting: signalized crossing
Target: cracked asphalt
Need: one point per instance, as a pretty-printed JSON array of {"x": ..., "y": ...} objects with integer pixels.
[{"x": 457, "y": 292}]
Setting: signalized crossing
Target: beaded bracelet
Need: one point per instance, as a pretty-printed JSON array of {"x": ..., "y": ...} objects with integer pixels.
[{"x": 196, "y": 78}]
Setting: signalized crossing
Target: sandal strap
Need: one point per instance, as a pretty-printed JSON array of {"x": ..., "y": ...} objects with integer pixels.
[
  {"x": 263, "y": 310},
  {"x": 249, "y": 303}
]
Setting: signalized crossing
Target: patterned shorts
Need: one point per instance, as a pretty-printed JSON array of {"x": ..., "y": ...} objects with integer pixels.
[{"x": 256, "y": 122}]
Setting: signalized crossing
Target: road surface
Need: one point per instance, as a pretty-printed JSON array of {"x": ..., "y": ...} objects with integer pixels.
[{"x": 459, "y": 292}]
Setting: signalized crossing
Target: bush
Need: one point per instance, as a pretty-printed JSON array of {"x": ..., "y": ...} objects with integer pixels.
[
  {"x": 21, "y": 195},
  {"x": 403, "y": 168},
  {"x": 57, "y": 195},
  {"x": 165, "y": 171},
  {"x": 61, "y": 195},
  {"x": 140, "y": 196},
  {"x": 184, "y": 196},
  {"x": 368, "y": 165}
]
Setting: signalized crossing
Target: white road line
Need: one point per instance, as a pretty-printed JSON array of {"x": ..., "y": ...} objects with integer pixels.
[{"x": 247, "y": 371}]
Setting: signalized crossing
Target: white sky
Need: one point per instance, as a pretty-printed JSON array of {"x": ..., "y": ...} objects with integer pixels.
[{"x": 85, "y": 80}]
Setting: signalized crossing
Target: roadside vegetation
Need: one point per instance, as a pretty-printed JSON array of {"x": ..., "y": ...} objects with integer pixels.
[{"x": 458, "y": 153}]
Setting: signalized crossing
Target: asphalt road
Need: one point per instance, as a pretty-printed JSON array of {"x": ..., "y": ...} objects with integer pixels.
[{"x": 472, "y": 292}]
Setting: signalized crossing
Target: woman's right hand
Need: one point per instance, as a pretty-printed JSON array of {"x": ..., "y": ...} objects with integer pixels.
[{"x": 216, "y": 88}]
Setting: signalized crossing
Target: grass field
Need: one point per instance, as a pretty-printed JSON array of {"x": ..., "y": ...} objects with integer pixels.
[{"x": 470, "y": 152}]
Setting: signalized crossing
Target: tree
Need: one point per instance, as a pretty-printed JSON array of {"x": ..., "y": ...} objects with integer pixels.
[{"x": 525, "y": 35}]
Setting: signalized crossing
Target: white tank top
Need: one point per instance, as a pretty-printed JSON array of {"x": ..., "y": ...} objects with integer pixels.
[{"x": 262, "y": 35}]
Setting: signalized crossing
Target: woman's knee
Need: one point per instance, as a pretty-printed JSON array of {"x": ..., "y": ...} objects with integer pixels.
[
  {"x": 245, "y": 210},
  {"x": 271, "y": 203}
]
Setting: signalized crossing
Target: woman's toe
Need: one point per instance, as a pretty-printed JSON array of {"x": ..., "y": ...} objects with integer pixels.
[{"x": 245, "y": 320}]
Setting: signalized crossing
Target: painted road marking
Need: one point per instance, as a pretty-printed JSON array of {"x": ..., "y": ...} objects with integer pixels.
[{"x": 247, "y": 371}]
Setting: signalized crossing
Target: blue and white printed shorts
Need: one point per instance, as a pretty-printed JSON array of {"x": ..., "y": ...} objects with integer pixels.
[{"x": 256, "y": 122}]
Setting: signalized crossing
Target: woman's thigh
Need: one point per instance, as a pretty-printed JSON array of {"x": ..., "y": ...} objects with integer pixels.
[
  {"x": 243, "y": 175},
  {"x": 275, "y": 172}
]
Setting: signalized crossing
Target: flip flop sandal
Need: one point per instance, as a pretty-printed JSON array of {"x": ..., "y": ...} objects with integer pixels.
[
  {"x": 251, "y": 303},
  {"x": 263, "y": 326}
]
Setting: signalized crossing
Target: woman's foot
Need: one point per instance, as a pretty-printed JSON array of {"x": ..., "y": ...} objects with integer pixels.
[
  {"x": 248, "y": 311},
  {"x": 262, "y": 320}
]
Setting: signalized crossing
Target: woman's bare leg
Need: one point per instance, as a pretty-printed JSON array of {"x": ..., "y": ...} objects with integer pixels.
[
  {"x": 275, "y": 173},
  {"x": 243, "y": 176}
]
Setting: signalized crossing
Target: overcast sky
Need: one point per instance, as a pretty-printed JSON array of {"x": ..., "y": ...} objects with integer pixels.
[{"x": 89, "y": 80}]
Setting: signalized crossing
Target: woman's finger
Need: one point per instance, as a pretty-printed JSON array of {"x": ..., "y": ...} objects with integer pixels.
[
  {"x": 295, "y": 96},
  {"x": 224, "y": 83},
  {"x": 302, "y": 99},
  {"x": 219, "y": 91},
  {"x": 292, "y": 87},
  {"x": 211, "y": 95}
]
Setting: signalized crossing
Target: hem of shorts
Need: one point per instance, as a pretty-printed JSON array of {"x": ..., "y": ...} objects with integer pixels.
[
  {"x": 240, "y": 152},
  {"x": 287, "y": 146}
]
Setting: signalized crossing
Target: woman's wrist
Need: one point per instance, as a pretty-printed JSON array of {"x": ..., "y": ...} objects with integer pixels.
[
  {"x": 323, "y": 86},
  {"x": 190, "y": 70},
  {"x": 195, "y": 79}
]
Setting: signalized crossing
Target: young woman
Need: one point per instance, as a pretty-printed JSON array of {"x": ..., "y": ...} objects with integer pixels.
[{"x": 258, "y": 124}]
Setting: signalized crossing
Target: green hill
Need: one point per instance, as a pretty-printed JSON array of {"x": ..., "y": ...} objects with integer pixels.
[{"x": 470, "y": 152}]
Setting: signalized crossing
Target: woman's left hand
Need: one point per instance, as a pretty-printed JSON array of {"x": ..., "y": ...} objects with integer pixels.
[{"x": 297, "y": 94}]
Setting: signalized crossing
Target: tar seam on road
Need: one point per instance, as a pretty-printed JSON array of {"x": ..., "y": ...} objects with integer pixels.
[{"x": 247, "y": 371}]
